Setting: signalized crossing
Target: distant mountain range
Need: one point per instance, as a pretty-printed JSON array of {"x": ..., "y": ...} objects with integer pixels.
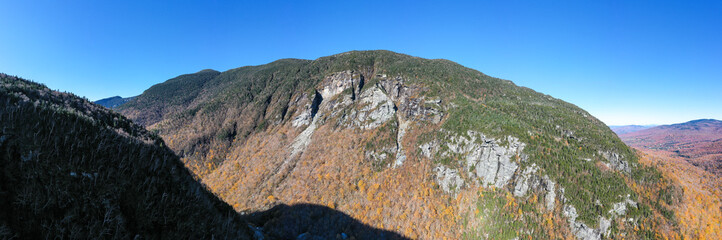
[
  {"x": 700, "y": 141},
  {"x": 622, "y": 129},
  {"x": 113, "y": 102}
]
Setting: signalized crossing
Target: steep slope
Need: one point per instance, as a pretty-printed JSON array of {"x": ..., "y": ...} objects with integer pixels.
[
  {"x": 168, "y": 98},
  {"x": 424, "y": 147},
  {"x": 113, "y": 102},
  {"x": 692, "y": 194},
  {"x": 699, "y": 141},
  {"x": 73, "y": 169}
]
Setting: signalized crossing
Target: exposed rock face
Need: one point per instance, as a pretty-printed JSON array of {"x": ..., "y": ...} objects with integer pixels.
[
  {"x": 338, "y": 82},
  {"x": 529, "y": 180},
  {"x": 394, "y": 87},
  {"x": 486, "y": 159},
  {"x": 448, "y": 179},
  {"x": 580, "y": 230},
  {"x": 367, "y": 110},
  {"x": 620, "y": 208},
  {"x": 377, "y": 108},
  {"x": 323, "y": 104},
  {"x": 489, "y": 161},
  {"x": 410, "y": 105},
  {"x": 550, "y": 197},
  {"x": 300, "y": 143},
  {"x": 429, "y": 148},
  {"x": 400, "y": 154},
  {"x": 309, "y": 109},
  {"x": 526, "y": 179},
  {"x": 616, "y": 161},
  {"x": 417, "y": 109}
]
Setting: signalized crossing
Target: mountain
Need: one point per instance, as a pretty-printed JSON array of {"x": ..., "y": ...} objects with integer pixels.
[
  {"x": 113, "y": 102},
  {"x": 622, "y": 129},
  {"x": 699, "y": 141},
  {"x": 423, "y": 147},
  {"x": 72, "y": 169}
]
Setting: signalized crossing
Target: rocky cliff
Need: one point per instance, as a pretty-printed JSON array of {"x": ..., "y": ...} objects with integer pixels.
[{"x": 427, "y": 148}]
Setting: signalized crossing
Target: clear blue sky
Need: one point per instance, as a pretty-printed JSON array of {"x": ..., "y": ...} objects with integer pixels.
[{"x": 626, "y": 62}]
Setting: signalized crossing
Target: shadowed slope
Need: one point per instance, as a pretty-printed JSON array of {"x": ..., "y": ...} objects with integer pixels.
[
  {"x": 310, "y": 221},
  {"x": 73, "y": 169}
]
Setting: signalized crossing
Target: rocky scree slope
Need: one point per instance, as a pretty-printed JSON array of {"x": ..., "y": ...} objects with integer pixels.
[{"x": 427, "y": 148}]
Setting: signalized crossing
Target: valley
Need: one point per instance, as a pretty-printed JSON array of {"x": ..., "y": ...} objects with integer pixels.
[{"x": 698, "y": 142}]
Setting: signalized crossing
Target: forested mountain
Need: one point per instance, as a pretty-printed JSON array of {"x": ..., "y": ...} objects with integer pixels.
[
  {"x": 71, "y": 169},
  {"x": 113, "y": 102},
  {"x": 424, "y": 147}
]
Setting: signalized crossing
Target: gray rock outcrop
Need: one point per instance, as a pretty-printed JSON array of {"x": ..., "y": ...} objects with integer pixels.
[
  {"x": 448, "y": 179},
  {"x": 550, "y": 197},
  {"x": 485, "y": 159},
  {"x": 527, "y": 179},
  {"x": 616, "y": 161},
  {"x": 579, "y": 229},
  {"x": 376, "y": 109},
  {"x": 338, "y": 82}
]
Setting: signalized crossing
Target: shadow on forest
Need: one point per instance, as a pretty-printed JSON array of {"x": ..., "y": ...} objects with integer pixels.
[{"x": 310, "y": 221}]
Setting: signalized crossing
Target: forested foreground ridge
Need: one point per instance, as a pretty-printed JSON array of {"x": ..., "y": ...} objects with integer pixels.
[
  {"x": 426, "y": 148},
  {"x": 71, "y": 169}
]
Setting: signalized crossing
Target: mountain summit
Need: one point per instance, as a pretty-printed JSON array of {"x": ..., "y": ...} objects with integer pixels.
[
  {"x": 113, "y": 102},
  {"x": 425, "y": 147}
]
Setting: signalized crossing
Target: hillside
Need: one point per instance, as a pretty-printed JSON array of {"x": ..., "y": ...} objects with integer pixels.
[
  {"x": 696, "y": 198},
  {"x": 113, "y": 102},
  {"x": 427, "y": 148},
  {"x": 698, "y": 141},
  {"x": 71, "y": 169}
]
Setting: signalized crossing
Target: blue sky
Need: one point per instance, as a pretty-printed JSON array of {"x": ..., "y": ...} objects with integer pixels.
[{"x": 626, "y": 62}]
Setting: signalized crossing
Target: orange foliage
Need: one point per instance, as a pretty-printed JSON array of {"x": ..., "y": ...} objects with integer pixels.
[{"x": 698, "y": 212}]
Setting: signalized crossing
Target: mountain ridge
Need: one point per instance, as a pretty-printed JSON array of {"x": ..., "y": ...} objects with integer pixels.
[
  {"x": 113, "y": 102},
  {"x": 699, "y": 141},
  {"x": 622, "y": 129},
  {"x": 74, "y": 169},
  {"x": 338, "y": 129}
]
